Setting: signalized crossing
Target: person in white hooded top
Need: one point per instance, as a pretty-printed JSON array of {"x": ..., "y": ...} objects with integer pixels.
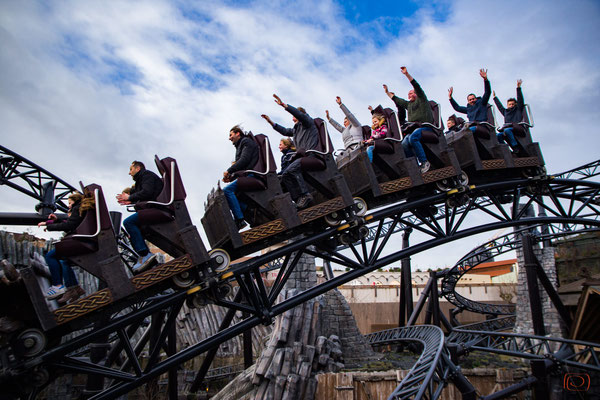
[{"x": 351, "y": 131}]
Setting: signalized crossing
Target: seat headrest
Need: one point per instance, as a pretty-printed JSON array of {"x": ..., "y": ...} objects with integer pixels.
[
  {"x": 325, "y": 145},
  {"x": 266, "y": 161},
  {"x": 171, "y": 177},
  {"x": 393, "y": 123}
]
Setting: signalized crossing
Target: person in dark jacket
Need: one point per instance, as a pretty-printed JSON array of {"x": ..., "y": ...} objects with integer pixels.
[
  {"x": 62, "y": 278},
  {"x": 513, "y": 114},
  {"x": 418, "y": 110},
  {"x": 306, "y": 137},
  {"x": 476, "y": 108},
  {"x": 246, "y": 157},
  {"x": 147, "y": 187},
  {"x": 455, "y": 124},
  {"x": 288, "y": 151}
]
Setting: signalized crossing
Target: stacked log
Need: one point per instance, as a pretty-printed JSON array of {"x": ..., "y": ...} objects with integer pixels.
[{"x": 306, "y": 340}]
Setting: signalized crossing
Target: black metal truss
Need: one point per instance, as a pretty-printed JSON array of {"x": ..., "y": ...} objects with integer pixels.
[
  {"x": 489, "y": 250},
  {"x": 572, "y": 353},
  {"x": 29, "y": 178},
  {"x": 582, "y": 172},
  {"x": 571, "y": 205},
  {"x": 585, "y": 171}
]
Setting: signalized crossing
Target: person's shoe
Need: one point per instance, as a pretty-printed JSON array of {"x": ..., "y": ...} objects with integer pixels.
[
  {"x": 143, "y": 263},
  {"x": 55, "y": 291},
  {"x": 304, "y": 201},
  {"x": 240, "y": 224},
  {"x": 72, "y": 293},
  {"x": 425, "y": 167}
]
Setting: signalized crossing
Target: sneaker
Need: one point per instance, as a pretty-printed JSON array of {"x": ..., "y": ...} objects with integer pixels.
[
  {"x": 304, "y": 201},
  {"x": 143, "y": 263},
  {"x": 425, "y": 167},
  {"x": 72, "y": 293},
  {"x": 55, "y": 291},
  {"x": 240, "y": 224}
]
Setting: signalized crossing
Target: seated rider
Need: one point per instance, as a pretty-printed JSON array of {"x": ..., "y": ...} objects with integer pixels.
[
  {"x": 476, "y": 108},
  {"x": 147, "y": 187},
  {"x": 306, "y": 137},
  {"x": 455, "y": 124},
  {"x": 288, "y": 151},
  {"x": 352, "y": 129},
  {"x": 418, "y": 109},
  {"x": 378, "y": 131},
  {"x": 513, "y": 114},
  {"x": 246, "y": 157},
  {"x": 63, "y": 279}
]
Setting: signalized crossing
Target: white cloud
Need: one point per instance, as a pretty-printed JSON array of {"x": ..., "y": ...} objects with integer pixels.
[{"x": 63, "y": 112}]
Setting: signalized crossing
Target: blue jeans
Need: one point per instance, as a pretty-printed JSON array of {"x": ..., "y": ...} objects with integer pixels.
[
  {"x": 131, "y": 225},
  {"x": 412, "y": 144},
  {"x": 370, "y": 152},
  {"x": 60, "y": 270},
  {"x": 235, "y": 204},
  {"x": 508, "y": 133}
]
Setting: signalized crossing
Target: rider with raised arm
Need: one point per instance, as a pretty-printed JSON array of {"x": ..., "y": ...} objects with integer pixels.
[
  {"x": 306, "y": 137},
  {"x": 147, "y": 187},
  {"x": 476, "y": 108},
  {"x": 246, "y": 157},
  {"x": 418, "y": 110},
  {"x": 352, "y": 129},
  {"x": 513, "y": 114}
]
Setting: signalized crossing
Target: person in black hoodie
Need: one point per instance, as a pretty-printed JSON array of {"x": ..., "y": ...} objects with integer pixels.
[
  {"x": 288, "y": 150},
  {"x": 306, "y": 137},
  {"x": 147, "y": 187},
  {"x": 455, "y": 124},
  {"x": 62, "y": 278},
  {"x": 513, "y": 114},
  {"x": 246, "y": 157}
]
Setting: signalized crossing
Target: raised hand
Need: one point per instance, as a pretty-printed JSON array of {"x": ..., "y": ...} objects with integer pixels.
[
  {"x": 493, "y": 93},
  {"x": 278, "y": 101},
  {"x": 403, "y": 70},
  {"x": 519, "y": 82},
  {"x": 327, "y": 113},
  {"x": 370, "y": 108},
  {"x": 338, "y": 100},
  {"x": 450, "y": 92},
  {"x": 266, "y": 117},
  {"x": 483, "y": 73}
]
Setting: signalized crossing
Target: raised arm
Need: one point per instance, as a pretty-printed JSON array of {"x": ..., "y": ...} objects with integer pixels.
[
  {"x": 487, "y": 92},
  {"x": 520, "y": 99},
  {"x": 499, "y": 104},
  {"x": 453, "y": 102},
  {"x": 347, "y": 112},
  {"x": 277, "y": 127},
  {"x": 387, "y": 92},
  {"x": 333, "y": 122}
]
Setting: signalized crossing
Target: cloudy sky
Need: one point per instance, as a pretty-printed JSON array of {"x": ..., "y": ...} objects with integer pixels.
[{"x": 88, "y": 86}]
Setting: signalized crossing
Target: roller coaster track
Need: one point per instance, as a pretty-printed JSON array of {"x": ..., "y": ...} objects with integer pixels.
[
  {"x": 29, "y": 178},
  {"x": 568, "y": 202},
  {"x": 489, "y": 250}
]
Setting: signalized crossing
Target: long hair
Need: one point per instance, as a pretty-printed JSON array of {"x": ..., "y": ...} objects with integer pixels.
[
  {"x": 88, "y": 202},
  {"x": 289, "y": 144},
  {"x": 380, "y": 121}
]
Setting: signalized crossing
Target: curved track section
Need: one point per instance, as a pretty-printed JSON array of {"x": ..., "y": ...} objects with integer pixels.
[
  {"x": 429, "y": 374},
  {"x": 489, "y": 250}
]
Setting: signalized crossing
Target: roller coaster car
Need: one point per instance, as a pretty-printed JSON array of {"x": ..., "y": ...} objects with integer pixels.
[
  {"x": 271, "y": 212},
  {"x": 392, "y": 173},
  {"x": 480, "y": 151},
  {"x": 529, "y": 149},
  {"x": 166, "y": 222}
]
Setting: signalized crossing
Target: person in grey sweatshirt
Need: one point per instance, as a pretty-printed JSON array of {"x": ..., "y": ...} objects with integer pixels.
[{"x": 352, "y": 129}]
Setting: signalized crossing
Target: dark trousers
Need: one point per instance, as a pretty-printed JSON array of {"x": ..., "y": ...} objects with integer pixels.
[{"x": 293, "y": 180}]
